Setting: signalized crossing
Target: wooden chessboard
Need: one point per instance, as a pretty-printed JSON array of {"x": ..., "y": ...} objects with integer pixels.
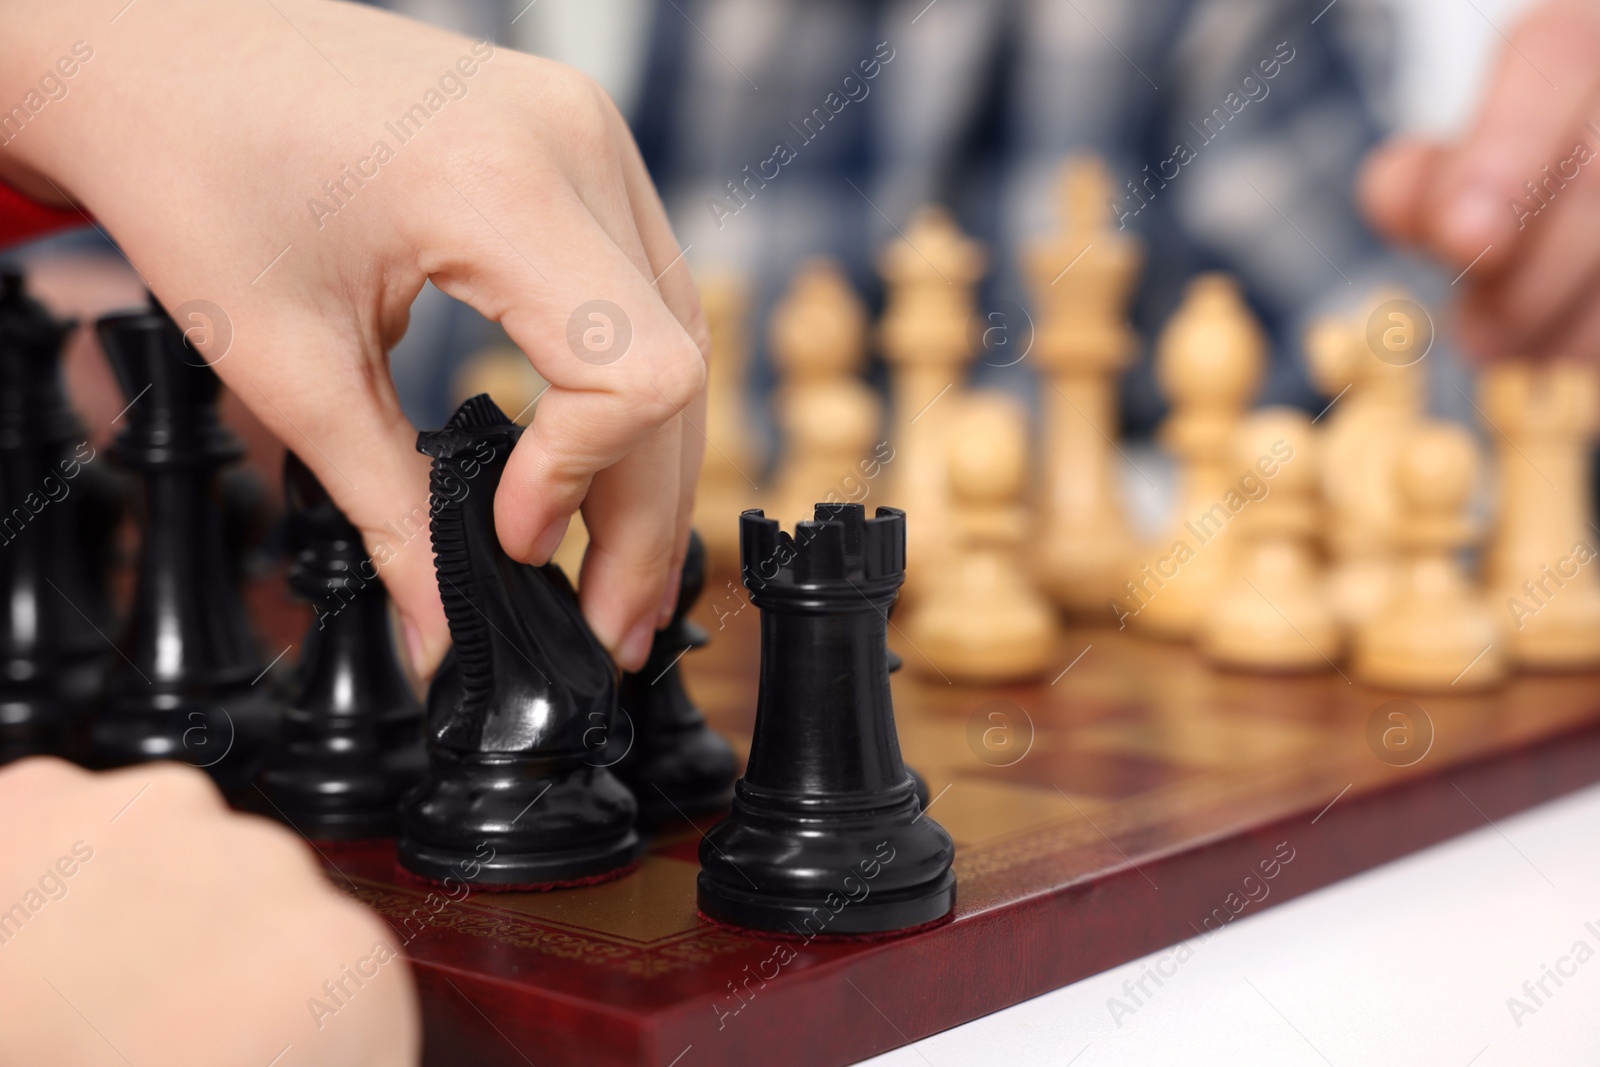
[{"x": 1137, "y": 800}]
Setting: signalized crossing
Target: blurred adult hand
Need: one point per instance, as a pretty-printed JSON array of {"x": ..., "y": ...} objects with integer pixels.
[
  {"x": 233, "y": 150},
  {"x": 1515, "y": 202}
]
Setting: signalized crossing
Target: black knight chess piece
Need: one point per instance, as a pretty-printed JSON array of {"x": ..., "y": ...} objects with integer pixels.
[
  {"x": 826, "y": 836},
  {"x": 513, "y": 797},
  {"x": 674, "y": 763},
  {"x": 184, "y": 687},
  {"x": 53, "y": 648},
  {"x": 351, "y": 742}
]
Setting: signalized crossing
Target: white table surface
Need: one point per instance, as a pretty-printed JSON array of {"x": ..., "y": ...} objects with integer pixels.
[{"x": 1411, "y": 963}]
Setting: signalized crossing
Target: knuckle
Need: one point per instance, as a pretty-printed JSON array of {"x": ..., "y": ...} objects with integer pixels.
[
  {"x": 674, "y": 377},
  {"x": 581, "y": 107},
  {"x": 561, "y": 473},
  {"x": 175, "y": 783},
  {"x": 334, "y": 923},
  {"x": 643, "y": 559},
  {"x": 363, "y": 924},
  {"x": 276, "y": 848},
  {"x": 656, "y": 560},
  {"x": 698, "y": 329},
  {"x": 38, "y": 773}
]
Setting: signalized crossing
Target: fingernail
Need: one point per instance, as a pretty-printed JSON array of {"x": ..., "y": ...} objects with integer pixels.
[
  {"x": 1474, "y": 218},
  {"x": 636, "y": 646},
  {"x": 545, "y": 545}
]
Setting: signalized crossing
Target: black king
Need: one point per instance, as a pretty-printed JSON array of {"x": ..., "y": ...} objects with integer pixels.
[
  {"x": 184, "y": 687},
  {"x": 52, "y": 652}
]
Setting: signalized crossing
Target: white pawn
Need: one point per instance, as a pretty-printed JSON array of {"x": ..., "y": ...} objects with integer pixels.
[
  {"x": 1273, "y": 614},
  {"x": 982, "y": 621},
  {"x": 1437, "y": 633}
]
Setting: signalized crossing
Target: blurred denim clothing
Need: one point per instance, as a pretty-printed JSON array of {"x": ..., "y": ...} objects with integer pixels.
[{"x": 1234, "y": 128}]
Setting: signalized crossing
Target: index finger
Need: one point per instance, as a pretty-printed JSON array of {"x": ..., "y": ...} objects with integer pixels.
[{"x": 1529, "y": 119}]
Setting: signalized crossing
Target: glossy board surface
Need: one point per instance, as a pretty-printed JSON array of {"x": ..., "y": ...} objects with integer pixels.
[{"x": 1138, "y": 800}]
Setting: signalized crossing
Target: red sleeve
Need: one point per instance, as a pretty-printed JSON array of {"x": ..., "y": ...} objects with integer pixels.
[{"x": 22, "y": 219}]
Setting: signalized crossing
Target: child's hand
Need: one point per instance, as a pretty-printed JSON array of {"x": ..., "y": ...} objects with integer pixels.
[
  {"x": 141, "y": 922},
  {"x": 1514, "y": 204},
  {"x": 304, "y": 166}
]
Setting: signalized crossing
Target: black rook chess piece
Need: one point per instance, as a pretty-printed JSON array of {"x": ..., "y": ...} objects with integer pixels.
[
  {"x": 513, "y": 796},
  {"x": 674, "y": 763},
  {"x": 53, "y": 648},
  {"x": 185, "y": 686},
  {"x": 352, "y": 736},
  {"x": 826, "y": 835}
]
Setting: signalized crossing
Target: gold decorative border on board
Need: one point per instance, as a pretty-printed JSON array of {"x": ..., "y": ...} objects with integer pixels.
[{"x": 701, "y": 947}]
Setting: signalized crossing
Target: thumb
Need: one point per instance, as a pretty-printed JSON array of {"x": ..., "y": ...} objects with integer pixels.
[
  {"x": 398, "y": 541},
  {"x": 1393, "y": 184}
]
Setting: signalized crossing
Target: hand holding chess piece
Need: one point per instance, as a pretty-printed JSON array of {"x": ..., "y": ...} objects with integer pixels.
[
  {"x": 1273, "y": 613},
  {"x": 579, "y": 224},
  {"x": 982, "y": 620},
  {"x": 1438, "y": 633}
]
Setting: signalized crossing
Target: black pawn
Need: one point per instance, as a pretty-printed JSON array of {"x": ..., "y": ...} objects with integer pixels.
[
  {"x": 53, "y": 649},
  {"x": 352, "y": 736},
  {"x": 513, "y": 796},
  {"x": 674, "y": 763},
  {"x": 185, "y": 687},
  {"x": 826, "y": 836},
  {"x": 895, "y": 663},
  {"x": 249, "y": 522}
]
